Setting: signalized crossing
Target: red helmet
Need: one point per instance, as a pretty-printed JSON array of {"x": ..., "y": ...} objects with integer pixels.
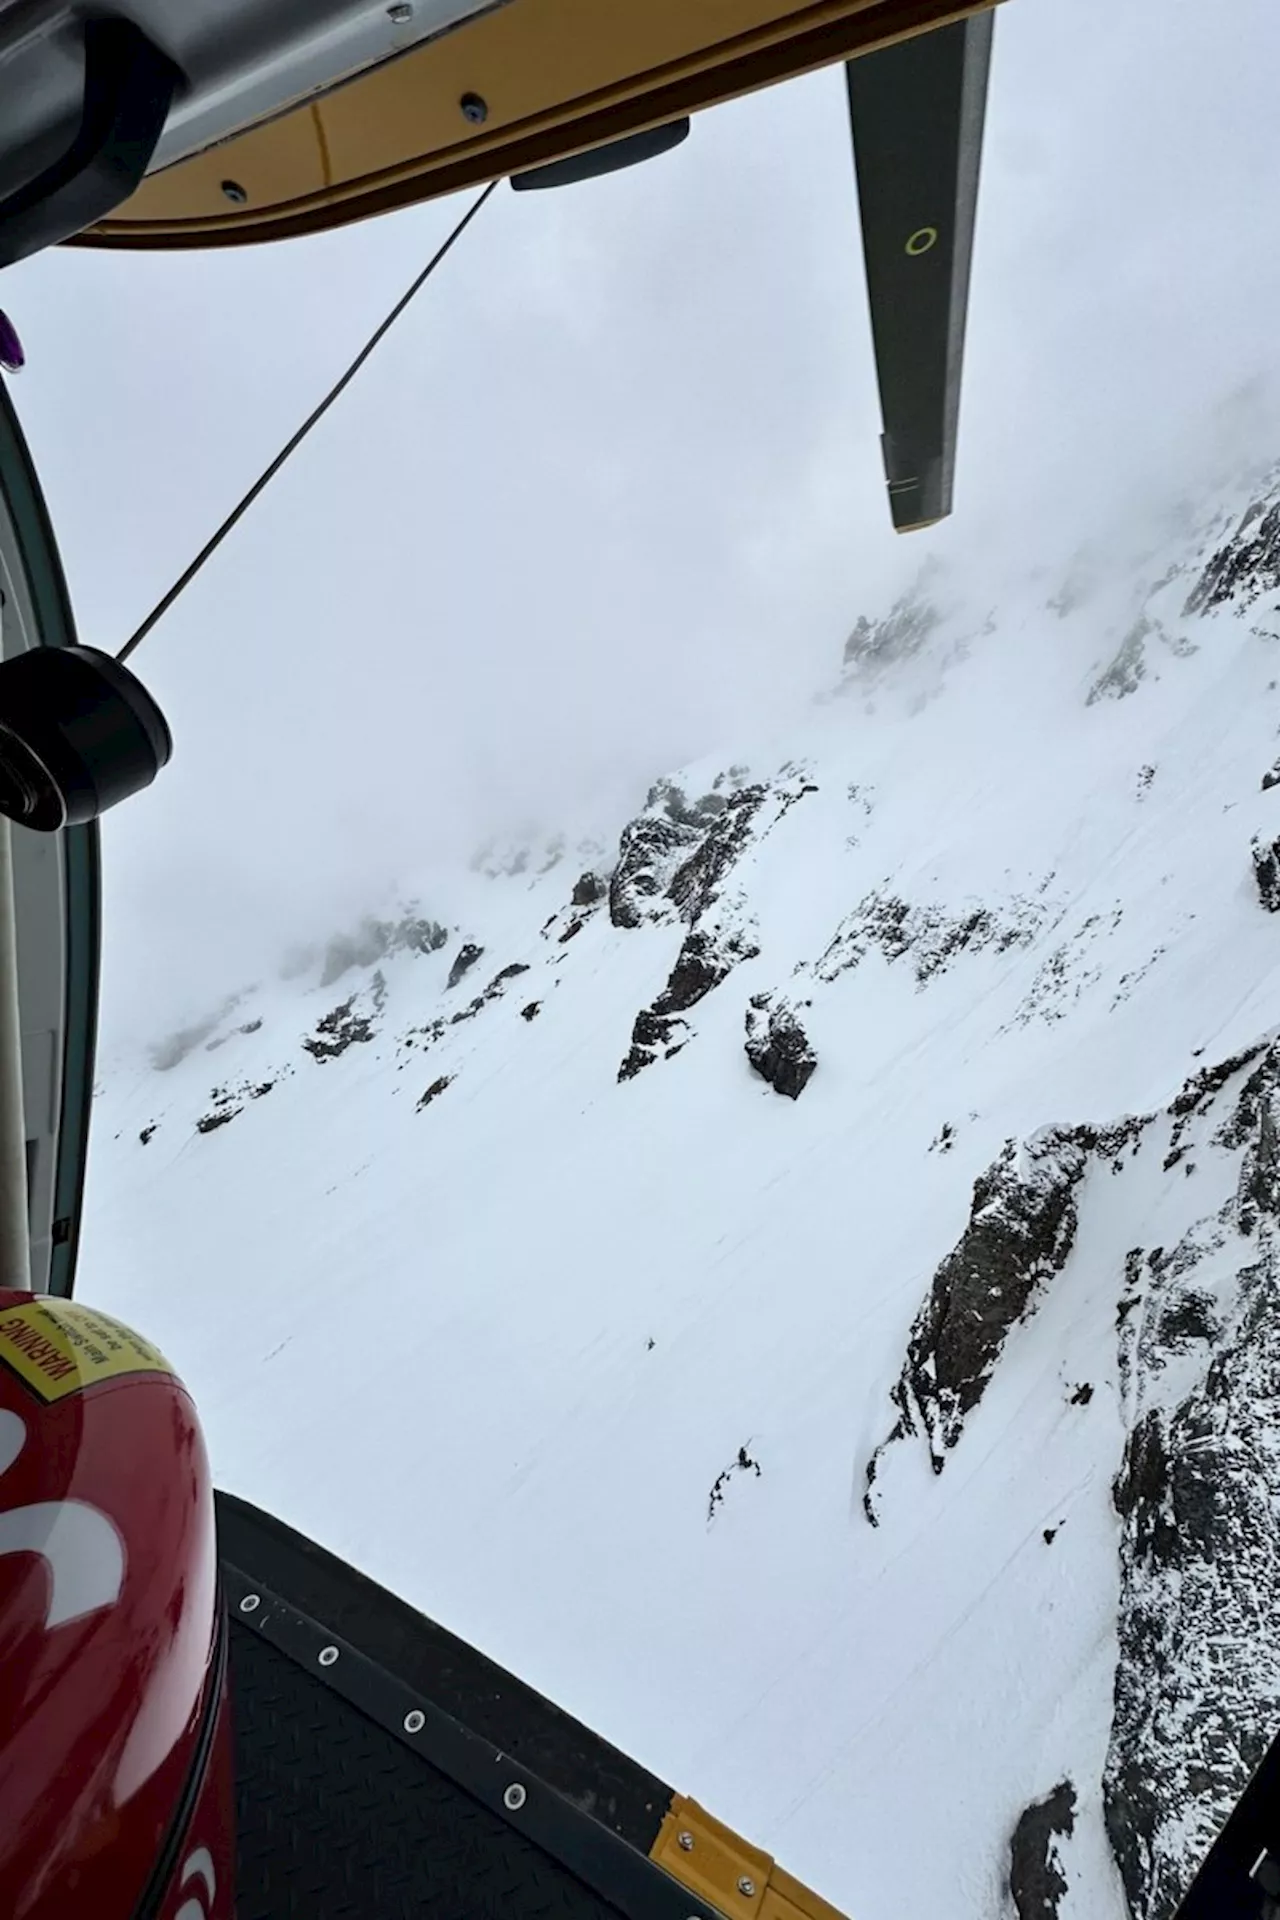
[{"x": 115, "y": 1762}]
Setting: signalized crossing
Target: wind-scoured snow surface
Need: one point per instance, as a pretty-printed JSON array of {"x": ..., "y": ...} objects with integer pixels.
[{"x": 805, "y": 1295}]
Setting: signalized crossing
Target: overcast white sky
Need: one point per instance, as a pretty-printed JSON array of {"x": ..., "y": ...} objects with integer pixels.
[{"x": 611, "y": 491}]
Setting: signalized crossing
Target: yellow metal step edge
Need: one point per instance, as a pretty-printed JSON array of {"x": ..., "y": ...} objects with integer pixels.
[{"x": 718, "y": 1865}]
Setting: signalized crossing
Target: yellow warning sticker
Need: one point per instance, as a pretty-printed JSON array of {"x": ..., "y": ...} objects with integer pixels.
[{"x": 59, "y": 1347}]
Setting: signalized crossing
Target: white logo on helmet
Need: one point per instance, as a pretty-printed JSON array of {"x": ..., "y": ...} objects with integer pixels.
[
  {"x": 80, "y": 1546},
  {"x": 198, "y": 1865}
]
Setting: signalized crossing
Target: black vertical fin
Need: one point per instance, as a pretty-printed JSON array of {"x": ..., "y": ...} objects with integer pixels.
[{"x": 917, "y": 111}]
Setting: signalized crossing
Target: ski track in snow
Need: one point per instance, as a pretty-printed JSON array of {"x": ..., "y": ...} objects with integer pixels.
[{"x": 421, "y": 1332}]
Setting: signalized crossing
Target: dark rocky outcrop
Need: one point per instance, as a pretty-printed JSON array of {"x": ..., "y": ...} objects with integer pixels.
[
  {"x": 228, "y": 1103},
  {"x": 434, "y": 1091},
  {"x": 1197, "y": 1680},
  {"x": 675, "y": 858},
  {"x": 495, "y": 989},
  {"x": 695, "y": 884},
  {"x": 423, "y": 1037},
  {"x": 678, "y": 852},
  {"x": 1197, "y": 1691},
  {"x": 1266, "y": 871},
  {"x": 778, "y": 1047},
  {"x": 349, "y": 1024},
  {"x": 588, "y": 891},
  {"x": 653, "y": 1036},
  {"x": 1022, "y": 1227},
  {"x": 743, "y": 1463},
  {"x": 1197, "y": 1687},
  {"x": 464, "y": 960},
  {"x": 706, "y": 958},
  {"x": 1198, "y": 1096},
  {"x": 1246, "y": 567},
  {"x": 1036, "y": 1879},
  {"x": 931, "y": 935},
  {"x": 649, "y": 853},
  {"x": 1252, "y": 1127},
  {"x": 148, "y": 1133},
  {"x": 532, "y": 1011}
]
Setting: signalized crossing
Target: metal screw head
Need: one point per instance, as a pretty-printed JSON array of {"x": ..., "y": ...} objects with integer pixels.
[
  {"x": 474, "y": 109},
  {"x": 747, "y": 1887},
  {"x": 251, "y": 1603},
  {"x": 685, "y": 1842},
  {"x": 401, "y": 15},
  {"x": 514, "y": 1797},
  {"x": 327, "y": 1656},
  {"x": 234, "y": 192},
  {"x": 415, "y": 1721}
]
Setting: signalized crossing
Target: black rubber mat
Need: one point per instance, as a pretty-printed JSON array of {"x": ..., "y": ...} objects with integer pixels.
[
  {"x": 493, "y": 1703},
  {"x": 337, "y": 1821},
  {"x": 385, "y": 1770}
]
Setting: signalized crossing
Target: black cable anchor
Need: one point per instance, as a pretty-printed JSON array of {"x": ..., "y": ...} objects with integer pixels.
[{"x": 78, "y": 734}]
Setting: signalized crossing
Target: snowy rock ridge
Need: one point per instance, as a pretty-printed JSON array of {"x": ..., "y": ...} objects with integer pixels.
[{"x": 816, "y": 1240}]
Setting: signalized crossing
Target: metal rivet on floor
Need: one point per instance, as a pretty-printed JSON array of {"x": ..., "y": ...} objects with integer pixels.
[
  {"x": 234, "y": 192},
  {"x": 251, "y": 1602},
  {"x": 747, "y": 1888},
  {"x": 400, "y": 15},
  {"x": 327, "y": 1656},
  {"x": 514, "y": 1797},
  {"x": 685, "y": 1842},
  {"x": 415, "y": 1721},
  {"x": 474, "y": 109}
]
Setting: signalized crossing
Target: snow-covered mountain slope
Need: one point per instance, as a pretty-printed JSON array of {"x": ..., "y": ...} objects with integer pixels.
[{"x": 799, "y": 1283}]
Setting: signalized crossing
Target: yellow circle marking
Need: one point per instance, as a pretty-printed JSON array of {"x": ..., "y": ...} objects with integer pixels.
[{"x": 921, "y": 241}]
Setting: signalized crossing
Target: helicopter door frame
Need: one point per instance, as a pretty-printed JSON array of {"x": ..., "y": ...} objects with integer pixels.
[{"x": 50, "y": 920}]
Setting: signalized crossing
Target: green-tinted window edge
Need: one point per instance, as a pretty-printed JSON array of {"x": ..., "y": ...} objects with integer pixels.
[{"x": 55, "y": 626}]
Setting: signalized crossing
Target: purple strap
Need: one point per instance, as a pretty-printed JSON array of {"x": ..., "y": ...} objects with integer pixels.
[{"x": 12, "y": 358}]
